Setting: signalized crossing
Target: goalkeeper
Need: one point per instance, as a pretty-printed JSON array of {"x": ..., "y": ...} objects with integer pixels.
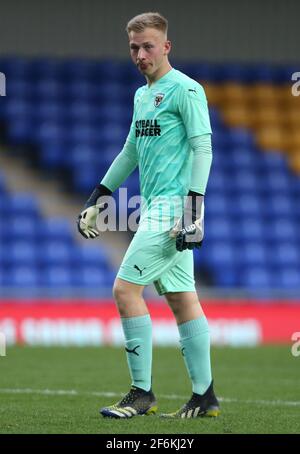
[{"x": 170, "y": 142}]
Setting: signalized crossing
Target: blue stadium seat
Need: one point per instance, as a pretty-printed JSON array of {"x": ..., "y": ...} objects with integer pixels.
[
  {"x": 272, "y": 161},
  {"x": 56, "y": 229},
  {"x": 84, "y": 178},
  {"x": 91, "y": 256},
  {"x": 231, "y": 72},
  {"x": 84, "y": 133},
  {"x": 245, "y": 182},
  {"x": 50, "y": 111},
  {"x": 77, "y": 69},
  {"x": 81, "y": 90},
  {"x": 18, "y": 108},
  {"x": 20, "y": 131},
  {"x": 222, "y": 254},
  {"x": 244, "y": 158},
  {"x": 295, "y": 185},
  {"x": 240, "y": 137},
  {"x": 16, "y": 67},
  {"x": 20, "y": 253},
  {"x": 2, "y": 185},
  {"x": 261, "y": 73},
  {"x": 50, "y": 89},
  {"x": 278, "y": 181},
  {"x": 278, "y": 206},
  {"x": 106, "y": 155},
  {"x": 287, "y": 278},
  {"x": 55, "y": 253},
  {"x": 249, "y": 229},
  {"x": 21, "y": 89},
  {"x": 217, "y": 204},
  {"x": 91, "y": 276},
  {"x": 281, "y": 229},
  {"x": 25, "y": 204},
  {"x": 20, "y": 228},
  {"x": 252, "y": 254},
  {"x": 203, "y": 71},
  {"x": 85, "y": 111},
  {"x": 114, "y": 134},
  {"x": 49, "y": 132},
  {"x": 115, "y": 112},
  {"x": 217, "y": 181},
  {"x": 54, "y": 155},
  {"x": 245, "y": 205},
  {"x": 46, "y": 67},
  {"x": 219, "y": 229},
  {"x": 220, "y": 140},
  {"x": 256, "y": 278},
  {"x": 57, "y": 276},
  {"x": 81, "y": 155},
  {"x": 286, "y": 255},
  {"x": 216, "y": 119},
  {"x": 226, "y": 277},
  {"x": 111, "y": 92},
  {"x": 22, "y": 276}
]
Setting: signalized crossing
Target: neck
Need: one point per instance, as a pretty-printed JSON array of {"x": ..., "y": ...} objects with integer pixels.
[{"x": 159, "y": 74}]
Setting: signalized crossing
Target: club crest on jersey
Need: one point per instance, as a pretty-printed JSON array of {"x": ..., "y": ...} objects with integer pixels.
[{"x": 158, "y": 99}]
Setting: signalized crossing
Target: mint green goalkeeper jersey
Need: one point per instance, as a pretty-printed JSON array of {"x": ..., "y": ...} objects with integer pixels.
[
  {"x": 169, "y": 118},
  {"x": 166, "y": 115}
]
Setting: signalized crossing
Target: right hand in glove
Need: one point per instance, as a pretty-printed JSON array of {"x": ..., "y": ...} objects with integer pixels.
[{"x": 86, "y": 221}]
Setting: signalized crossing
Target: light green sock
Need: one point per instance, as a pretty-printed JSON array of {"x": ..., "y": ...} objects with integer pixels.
[
  {"x": 195, "y": 347},
  {"x": 138, "y": 345}
]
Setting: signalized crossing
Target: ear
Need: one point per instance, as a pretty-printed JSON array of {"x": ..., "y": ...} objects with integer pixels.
[{"x": 167, "y": 47}]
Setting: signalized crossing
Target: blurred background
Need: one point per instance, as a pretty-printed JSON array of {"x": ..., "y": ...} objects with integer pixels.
[{"x": 65, "y": 110}]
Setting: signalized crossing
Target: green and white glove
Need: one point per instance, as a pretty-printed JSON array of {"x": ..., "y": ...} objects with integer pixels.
[{"x": 86, "y": 221}]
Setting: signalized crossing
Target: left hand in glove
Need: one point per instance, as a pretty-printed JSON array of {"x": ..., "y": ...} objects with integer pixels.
[
  {"x": 189, "y": 230},
  {"x": 86, "y": 221}
]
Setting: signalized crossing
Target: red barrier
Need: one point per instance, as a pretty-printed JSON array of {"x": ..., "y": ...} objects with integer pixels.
[{"x": 97, "y": 323}]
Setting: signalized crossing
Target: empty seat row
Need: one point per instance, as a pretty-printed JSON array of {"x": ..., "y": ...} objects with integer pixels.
[
  {"x": 95, "y": 70},
  {"x": 56, "y": 276}
]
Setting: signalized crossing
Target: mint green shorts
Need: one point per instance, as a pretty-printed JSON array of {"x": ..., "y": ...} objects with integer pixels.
[{"x": 152, "y": 258}]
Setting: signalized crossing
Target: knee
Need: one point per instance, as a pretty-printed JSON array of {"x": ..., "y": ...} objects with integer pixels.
[
  {"x": 129, "y": 299},
  {"x": 119, "y": 292},
  {"x": 124, "y": 298},
  {"x": 175, "y": 304}
]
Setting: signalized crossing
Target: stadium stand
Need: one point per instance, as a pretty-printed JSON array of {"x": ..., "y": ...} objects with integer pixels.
[
  {"x": 38, "y": 253},
  {"x": 71, "y": 121}
]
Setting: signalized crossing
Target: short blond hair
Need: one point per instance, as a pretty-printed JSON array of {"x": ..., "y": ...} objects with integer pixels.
[{"x": 147, "y": 20}]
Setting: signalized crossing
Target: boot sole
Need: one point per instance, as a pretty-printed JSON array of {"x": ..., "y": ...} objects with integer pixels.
[
  {"x": 106, "y": 413},
  {"x": 210, "y": 413},
  {"x": 152, "y": 410}
]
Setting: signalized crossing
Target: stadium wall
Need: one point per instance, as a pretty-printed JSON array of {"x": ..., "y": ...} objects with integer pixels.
[
  {"x": 214, "y": 30},
  {"x": 82, "y": 323}
]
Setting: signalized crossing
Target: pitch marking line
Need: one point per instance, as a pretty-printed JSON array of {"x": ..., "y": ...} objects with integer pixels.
[{"x": 73, "y": 392}]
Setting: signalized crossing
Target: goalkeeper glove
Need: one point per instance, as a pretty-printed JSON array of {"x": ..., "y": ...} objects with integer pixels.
[
  {"x": 86, "y": 221},
  {"x": 189, "y": 230}
]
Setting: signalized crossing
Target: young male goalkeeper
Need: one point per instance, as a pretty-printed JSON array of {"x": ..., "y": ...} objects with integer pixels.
[{"x": 170, "y": 141}]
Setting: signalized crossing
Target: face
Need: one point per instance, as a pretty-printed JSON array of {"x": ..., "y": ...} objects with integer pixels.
[{"x": 149, "y": 51}]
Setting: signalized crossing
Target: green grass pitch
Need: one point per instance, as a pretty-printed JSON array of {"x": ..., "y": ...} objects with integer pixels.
[{"x": 60, "y": 390}]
